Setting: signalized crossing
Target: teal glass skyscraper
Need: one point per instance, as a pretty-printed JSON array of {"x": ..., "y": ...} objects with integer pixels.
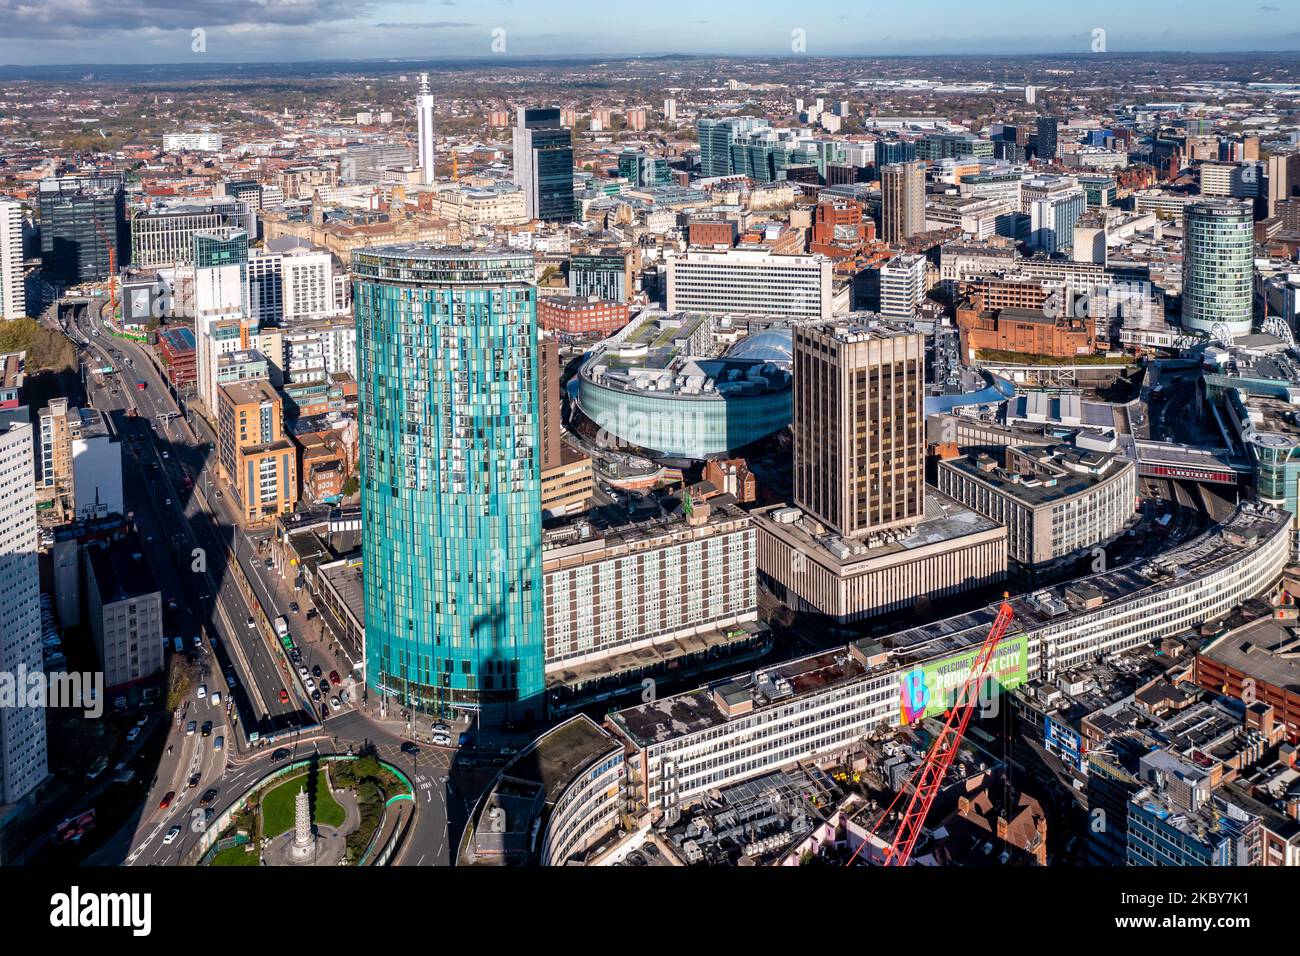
[{"x": 450, "y": 479}]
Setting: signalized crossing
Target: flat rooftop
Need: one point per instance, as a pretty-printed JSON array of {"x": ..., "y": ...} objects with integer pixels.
[
  {"x": 1033, "y": 488},
  {"x": 250, "y": 392},
  {"x": 697, "y": 710},
  {"x": 945, "y": 520},
  {"x": 554, "y": 759},
  {"x": 1266, "y": 649},
  {"x": 121, "y": 573}
]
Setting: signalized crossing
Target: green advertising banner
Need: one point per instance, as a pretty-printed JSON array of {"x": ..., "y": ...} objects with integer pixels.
[{"x": 932, "y": 687}]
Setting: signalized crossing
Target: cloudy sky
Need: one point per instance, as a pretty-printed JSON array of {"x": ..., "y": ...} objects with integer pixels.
[{"x": 152, "y": 31}]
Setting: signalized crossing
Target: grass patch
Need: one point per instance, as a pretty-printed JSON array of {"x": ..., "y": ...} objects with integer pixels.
[
  {"x": 236, "y": 856},
  {"x": 278, "y": 805}
]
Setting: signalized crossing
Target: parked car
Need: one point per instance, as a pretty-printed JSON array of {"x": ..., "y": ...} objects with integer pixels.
[
  {"x": 203, "y": 691},
  {"x": 316, "y": 671},
  {"x": 442, "y": 740},
  {"x": 334, "y": 677},
  {"x": 336, "y": 703}
]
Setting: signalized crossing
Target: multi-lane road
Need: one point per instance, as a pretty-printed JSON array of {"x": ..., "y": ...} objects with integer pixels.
[{"x": 189, "y": 531}]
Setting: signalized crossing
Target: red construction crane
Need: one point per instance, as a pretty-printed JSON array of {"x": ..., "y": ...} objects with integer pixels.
[
  {"x": 112, "y": 268},
  {"x": 928, "y": 778}
]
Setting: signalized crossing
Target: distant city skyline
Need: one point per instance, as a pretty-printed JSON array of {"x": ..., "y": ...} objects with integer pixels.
[{"x": 150, "y": 31}]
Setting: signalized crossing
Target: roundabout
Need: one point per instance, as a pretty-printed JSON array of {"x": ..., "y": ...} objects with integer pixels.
[{"x": 324, "y": 810}]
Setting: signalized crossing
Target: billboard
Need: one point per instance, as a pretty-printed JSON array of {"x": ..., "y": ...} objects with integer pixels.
[{"x": 932, "y": 687}]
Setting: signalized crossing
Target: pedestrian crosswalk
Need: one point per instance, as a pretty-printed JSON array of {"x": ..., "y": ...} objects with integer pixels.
[{"x": 429, "y": 757}]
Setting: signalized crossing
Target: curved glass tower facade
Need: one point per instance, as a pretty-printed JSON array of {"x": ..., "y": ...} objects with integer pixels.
[
  {"x": 450, "y": 479},
  {"x": 1218, "y": 265}
]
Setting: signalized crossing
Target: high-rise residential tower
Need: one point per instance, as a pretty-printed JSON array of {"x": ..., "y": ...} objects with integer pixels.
[
  {"x": 424, "y": 129},
  {"x": 543, "y": 164},
  {"x": 13, "y": 295},
  {"x": 902, "y": 209},
  {"x": 859, "y": 425},
  {"x": 450, "y": 479},
  {"x": 1218, "y": 265},
  {"x": 22, "y": 728},
  {"x": 222, "y": 304}
]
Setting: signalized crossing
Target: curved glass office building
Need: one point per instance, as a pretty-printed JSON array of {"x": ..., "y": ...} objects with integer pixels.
[
  {"x": 450, "y": 479},
  {"x": 1218, "y": 265},
  {"x": 651, "y": 388}
]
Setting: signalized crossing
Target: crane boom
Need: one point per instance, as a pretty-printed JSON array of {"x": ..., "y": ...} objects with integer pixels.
[{"x": 929, "y": 776}]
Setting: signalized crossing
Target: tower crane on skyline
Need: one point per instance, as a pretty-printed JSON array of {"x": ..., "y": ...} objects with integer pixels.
[
  {"x": 928, "y": 778},
  {"x": 112, "y": 268}
]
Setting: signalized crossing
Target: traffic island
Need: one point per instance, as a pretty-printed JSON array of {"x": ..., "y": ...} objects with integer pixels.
[{"x": 322, "y": 811}]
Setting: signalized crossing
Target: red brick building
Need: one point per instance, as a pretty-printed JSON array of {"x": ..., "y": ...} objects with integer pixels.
[
  {"x": 570, "y": 317},
  {"x": 712, "y": 233},
  {"x": 176, "y": 350}
]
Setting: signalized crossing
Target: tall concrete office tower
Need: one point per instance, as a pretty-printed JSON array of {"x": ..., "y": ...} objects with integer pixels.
[
  {"x": 22, "y": 728},
  {"x": 424, "y": 129},
  {"x": 859, "y": 425},
  {"x": 1218, "y": 265},
  {"x": 902, "y": 208},
  {"x": 543, "y": 164},
  {"x": 450, "y": 479}
]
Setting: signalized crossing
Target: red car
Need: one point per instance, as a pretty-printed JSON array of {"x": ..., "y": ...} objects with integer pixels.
[
  {"x": 284, "y": 696},
  {"x": 140, "y": 386},
  {"x": 166, "y": 801},
  {"x": 334, "y": 677}
]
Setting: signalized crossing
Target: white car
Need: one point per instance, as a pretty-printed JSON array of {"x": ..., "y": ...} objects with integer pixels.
[
  {"x": 173, "y": 833},
  {"x": 335, "y": 703},
  {"x": 441, "y": 740},
  {"x": 304, "y": 673},
  {"x": 203, "y": 691}
]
